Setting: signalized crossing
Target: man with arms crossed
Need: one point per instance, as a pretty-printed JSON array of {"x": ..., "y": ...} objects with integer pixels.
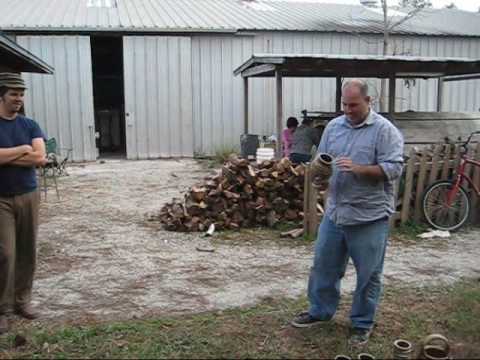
[
  {"x": 369, "y": 156},
  {"x": 22, "y": 148}
]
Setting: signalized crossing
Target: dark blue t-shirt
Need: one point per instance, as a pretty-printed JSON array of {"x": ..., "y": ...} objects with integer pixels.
[{"x": 16, "y": 180}]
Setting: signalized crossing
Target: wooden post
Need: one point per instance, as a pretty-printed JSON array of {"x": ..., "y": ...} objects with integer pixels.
[
  {"x": 446, "y": 162},
  {"x": 396, "y": 201},
  {"x": 391, "y": 94},
  {"x": 476, "y": 180},
  {"x": 338, "y": 95},
  {"x": 434, "y": 169},
  {"x": 469, "y": 169},
  {"x": 310, "y": 201},
  {"x": 306, "y": 200},
  {"x": 439, "y": 94},
  {"x": 312, "y": 211},
  {"x": 245, "y": 105},
  {"x": 407, "y": 194},
  {"x": 458, "y": 158},
  {"x": 422, "y": 174},
  {"x": 279, "y": 125}
]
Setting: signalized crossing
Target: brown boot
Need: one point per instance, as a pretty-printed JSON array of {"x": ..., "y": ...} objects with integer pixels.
[
  {"x": 3, "y": 324},
  {"x": 26, "y": 311}
]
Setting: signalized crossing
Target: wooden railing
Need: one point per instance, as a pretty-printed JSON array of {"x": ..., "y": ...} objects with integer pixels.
[{"x": 432, "y": 163}]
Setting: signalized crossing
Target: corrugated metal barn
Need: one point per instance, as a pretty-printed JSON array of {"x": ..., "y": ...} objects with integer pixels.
[
  {"x": 14, "y": 58},
  {"x": 154, "y": 78}
]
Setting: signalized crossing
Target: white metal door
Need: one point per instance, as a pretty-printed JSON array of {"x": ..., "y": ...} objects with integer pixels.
[
  {"x": 63, "y": 103},
  {"x": 158, "y": 96}
]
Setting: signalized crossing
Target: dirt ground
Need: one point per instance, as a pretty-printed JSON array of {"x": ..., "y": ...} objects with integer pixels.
[{"x": 99, "y": 259}]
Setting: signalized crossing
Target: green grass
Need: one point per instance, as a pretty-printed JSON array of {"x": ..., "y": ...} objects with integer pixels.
[
  {"x": 263, "y": 331},
  {"x": 407, "y": 233},
  {"x": 223, "y": 152},
  {"x": 220, "y": 156},
  {"x": 410, "y": 229}
]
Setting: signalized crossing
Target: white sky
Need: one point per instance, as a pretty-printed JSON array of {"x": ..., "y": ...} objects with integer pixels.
[{"x": 468, "y": 5}]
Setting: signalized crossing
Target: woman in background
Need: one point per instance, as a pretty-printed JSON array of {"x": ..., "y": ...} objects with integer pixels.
[{"x": 287, "y": 135}]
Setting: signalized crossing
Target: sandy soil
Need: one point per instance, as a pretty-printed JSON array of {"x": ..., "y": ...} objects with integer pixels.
[{"x": 99, "y": 259}]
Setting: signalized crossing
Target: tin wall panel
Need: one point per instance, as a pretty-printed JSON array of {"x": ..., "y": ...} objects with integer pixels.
[{"x": 63, "y": 103}]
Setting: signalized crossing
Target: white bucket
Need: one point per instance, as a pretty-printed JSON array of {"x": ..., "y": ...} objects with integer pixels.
[{"x": 265, "y": 154}]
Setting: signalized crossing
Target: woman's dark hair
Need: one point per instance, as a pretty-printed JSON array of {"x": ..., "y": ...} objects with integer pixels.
[{"x": 292, "y": 122}]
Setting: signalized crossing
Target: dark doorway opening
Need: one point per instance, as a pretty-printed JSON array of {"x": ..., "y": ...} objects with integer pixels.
[{"x": 108, "y": 95}]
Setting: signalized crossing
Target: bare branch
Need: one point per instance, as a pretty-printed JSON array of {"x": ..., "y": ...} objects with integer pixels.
[{"x": 407, "y": 17}]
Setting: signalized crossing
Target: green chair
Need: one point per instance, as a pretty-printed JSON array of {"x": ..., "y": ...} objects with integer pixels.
[
  {"x": 56, "y": 156},
  {"x": 56, "y": 165}
]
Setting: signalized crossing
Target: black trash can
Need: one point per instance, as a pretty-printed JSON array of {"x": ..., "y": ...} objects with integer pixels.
[{"x": 249, "y": 144}]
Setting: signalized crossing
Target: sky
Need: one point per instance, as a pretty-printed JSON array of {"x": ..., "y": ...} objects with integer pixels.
[{"x": 468, "y": 5}]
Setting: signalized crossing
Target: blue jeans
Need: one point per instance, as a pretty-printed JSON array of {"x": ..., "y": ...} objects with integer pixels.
[{"x": 365, "y": 244}]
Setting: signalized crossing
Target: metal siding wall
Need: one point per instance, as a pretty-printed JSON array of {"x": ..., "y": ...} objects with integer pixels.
[
  {"x": 183, "y": 97},
  {"x": 218, "y": 95},
  {"x": 458, "y": 96},
  {"x": 63, "y": 103},
  {"x": 158, "y": 96},
  {"x": 218, "y": 118}
]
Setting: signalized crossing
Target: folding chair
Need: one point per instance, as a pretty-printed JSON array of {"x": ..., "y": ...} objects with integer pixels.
[
  {"x": 54, "y": 153},
  {"x": 55, "y": 166}
]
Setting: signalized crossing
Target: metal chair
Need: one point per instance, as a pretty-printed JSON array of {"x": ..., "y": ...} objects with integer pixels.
[
  {"x": 55, "y": 155},
  {"x": 55, "y": 166}
]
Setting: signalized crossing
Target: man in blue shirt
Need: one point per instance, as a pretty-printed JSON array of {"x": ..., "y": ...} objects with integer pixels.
[
  {"x": 368, "y": 152},
  {"x": 22, "y": 148}
]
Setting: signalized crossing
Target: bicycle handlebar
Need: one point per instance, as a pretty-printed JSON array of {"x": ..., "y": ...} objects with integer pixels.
[{"x": 464, "y": 145}]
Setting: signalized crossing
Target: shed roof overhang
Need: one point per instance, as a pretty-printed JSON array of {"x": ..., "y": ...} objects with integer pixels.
[
  {"x": 16, "y": 58},
  {"x": 364, "y": 66}
]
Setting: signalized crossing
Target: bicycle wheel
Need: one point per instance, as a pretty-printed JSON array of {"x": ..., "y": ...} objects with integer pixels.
[{"x": 440, "y": 215}]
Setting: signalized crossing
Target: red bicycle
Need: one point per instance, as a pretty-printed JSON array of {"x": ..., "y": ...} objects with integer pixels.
[{"x": 446, "y": 204}]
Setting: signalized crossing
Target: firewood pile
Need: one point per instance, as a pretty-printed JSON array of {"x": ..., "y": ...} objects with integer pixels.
[{"x": 241, "y": 194}]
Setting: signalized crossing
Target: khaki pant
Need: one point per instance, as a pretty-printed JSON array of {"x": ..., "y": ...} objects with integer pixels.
[{"x": 18, "y": 233}]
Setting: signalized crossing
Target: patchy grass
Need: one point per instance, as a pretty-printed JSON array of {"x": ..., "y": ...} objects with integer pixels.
[
  {"x": 263, "y": 331},
  {"x": 223, "y": 152},
  {"x": 260, "y": 236},
  {"x": 220, "y": 156},
  {"x": 406, "y": 234}
]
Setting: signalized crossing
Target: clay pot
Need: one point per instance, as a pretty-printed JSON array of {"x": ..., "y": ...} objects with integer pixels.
[
  {"x": 402, "y": 349},
  {"x": 365, "y": 356},
  {"x": 321, "y": 168},
  {"x": 435, "y": 347}
]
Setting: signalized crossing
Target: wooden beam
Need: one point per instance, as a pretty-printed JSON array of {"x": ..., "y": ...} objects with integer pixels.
[
  {"x": 407, "y": 192},
  {"x": 440, "y": 87},
  {"x": 245, "y": 105},
  {"x": 258, "y": 70},
  {"x": 461, "y": 77},
  {"x": 254, "y": 60},
  {"x": 279, "y": 117},
  {"x": 338, "y": 95},
  {"x": 391, "y": 94}
]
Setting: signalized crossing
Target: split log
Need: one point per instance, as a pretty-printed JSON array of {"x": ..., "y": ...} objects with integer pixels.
[{"x": 240, "y": 194}]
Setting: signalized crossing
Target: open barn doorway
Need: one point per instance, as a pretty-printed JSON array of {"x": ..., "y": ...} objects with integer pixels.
[{"x": 108, "y": 93}]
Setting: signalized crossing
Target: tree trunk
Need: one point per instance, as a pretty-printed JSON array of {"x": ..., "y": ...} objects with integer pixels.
[{"x": 386, "y": 38}]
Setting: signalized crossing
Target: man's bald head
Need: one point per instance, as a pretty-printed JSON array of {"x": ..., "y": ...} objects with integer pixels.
[
  {"x": 355, "y": 100},
  {"x": 358, "y": 84}
]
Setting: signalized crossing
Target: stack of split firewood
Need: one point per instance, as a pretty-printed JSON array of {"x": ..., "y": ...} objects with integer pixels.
[{"x": 241, "y": 194}]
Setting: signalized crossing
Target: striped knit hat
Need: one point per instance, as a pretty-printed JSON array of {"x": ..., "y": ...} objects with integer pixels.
[{"x": 12, "y": 80}]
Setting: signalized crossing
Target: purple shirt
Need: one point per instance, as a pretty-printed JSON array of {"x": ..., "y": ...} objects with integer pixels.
[{"x": 287, "y": 138}]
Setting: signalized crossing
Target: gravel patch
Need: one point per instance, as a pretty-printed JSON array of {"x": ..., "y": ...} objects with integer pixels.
[{"x": 100, "y": 259}]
